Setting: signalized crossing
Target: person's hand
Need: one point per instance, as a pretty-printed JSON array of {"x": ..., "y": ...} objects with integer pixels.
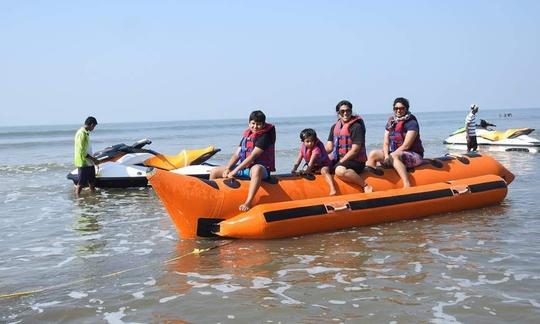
[
  {"x": 230, "y": 174},
  {"x": 225, "y": 172}
]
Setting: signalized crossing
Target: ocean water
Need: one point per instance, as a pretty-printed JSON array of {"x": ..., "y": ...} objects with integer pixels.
[{"x": 115, "y": 257}]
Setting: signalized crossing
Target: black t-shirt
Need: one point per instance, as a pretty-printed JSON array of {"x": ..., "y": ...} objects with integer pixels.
[
  {"x": 357, "y": 130},
  {"x": 265, "y": 140}
]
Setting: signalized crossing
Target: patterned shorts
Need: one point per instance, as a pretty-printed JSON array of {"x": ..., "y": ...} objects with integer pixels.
[{"x": 411, "y": 159}]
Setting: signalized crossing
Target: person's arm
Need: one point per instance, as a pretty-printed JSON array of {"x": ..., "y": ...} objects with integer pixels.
[
  {"x": 412, "y": 128},
  {"x": 408, "y": 141},
  {"x": 234, "y": 158},
  {"x": 352, "y": 153},
  {"x": 386, "y": 144},
  {"x": 387, "y": 161},
  {"x": 297, "y": 162},
  {"x": 248, "y": 161},
  {"x": 96, "y": 161},
  {"x": 314, "y": 156},
  {"x": 329, "y": 146}
]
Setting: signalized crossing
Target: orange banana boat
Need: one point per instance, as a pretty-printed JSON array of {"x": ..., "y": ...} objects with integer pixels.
[
  {"x": 290, "y": 218},
  {"x": 197, "y": 205}
]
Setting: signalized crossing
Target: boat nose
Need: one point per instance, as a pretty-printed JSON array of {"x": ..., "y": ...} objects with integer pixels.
[{"x": 508, "y": 177}]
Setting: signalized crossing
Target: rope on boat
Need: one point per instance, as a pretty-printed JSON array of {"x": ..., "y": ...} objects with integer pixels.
[{"x": 195, "y": 251}]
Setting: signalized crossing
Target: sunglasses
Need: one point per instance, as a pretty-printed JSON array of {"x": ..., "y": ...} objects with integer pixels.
[
  {"x": 343, "y": 111},
  {"x": 399, "y": 108}
]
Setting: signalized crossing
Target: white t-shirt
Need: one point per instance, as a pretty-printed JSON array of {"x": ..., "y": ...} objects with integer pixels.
[{"x": 470, "y": 122}]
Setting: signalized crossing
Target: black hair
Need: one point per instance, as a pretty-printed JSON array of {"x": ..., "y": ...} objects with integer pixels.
[
  {"x": 343, "y": 103},
  {"x": 307, "y": 133},
  {"x": 257, "y": 116},
  {"x": 402, "y": 101},
  {"x": 90, "y": 121}
]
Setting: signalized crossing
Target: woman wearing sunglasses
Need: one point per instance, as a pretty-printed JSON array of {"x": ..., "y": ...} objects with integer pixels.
[
  {"x": 347, "y": 146},
  {"x": 402, "y": 146}
]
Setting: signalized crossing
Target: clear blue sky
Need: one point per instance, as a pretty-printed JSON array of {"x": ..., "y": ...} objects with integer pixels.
[{"x": 172, "y": 60}]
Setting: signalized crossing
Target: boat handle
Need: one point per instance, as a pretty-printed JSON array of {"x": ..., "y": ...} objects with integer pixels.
[
  {"x": 338, "y": 206},
  {"x": 460, "y": 190}
]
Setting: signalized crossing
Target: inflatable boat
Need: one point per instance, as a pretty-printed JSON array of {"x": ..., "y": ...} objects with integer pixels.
[
  {"x": 513, "y": 139},
  {"x": 204, "y": 208},
  {"x": 126, "y": 165}
]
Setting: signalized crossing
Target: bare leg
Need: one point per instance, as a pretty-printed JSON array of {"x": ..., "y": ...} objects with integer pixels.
[
  {"x": 217, "y": 172},
  {"x": 78, "y": 190},
  {"x": 349, "y": 175},
  {"x": 328, "y": 177},
  {"x": 374, "y": 157},
  {"x": 401, "y": 170},
  {"x": 256, "y": 174}
]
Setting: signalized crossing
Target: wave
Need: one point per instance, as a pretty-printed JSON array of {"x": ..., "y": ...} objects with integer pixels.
[
  {"x": 46, "y": 132},
  {"x": 35, "y": 168}
]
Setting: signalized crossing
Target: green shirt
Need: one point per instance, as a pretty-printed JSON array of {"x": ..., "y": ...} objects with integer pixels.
[{"x": 82, "y": 140}]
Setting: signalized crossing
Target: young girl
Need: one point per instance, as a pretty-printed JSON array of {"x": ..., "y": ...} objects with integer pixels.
[{"x": 313, "y": 152}]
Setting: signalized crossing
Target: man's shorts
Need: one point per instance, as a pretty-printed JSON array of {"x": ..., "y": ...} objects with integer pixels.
[
  {"x": 472, "y": 144},
  {"x": 244, "y": 173},
  {"x": 357, "y": 166},
  {"x": 411, "y": 159},
  {"x": 87, "y": 175}
]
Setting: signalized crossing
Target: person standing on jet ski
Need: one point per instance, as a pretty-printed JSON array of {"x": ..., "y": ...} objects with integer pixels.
[
  {"x": 470, "y": 129},
  {"x": 83, "y": 159}
]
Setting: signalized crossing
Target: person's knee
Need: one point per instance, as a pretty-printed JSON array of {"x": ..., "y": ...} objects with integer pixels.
[
  {"x": 340, "y": 171},
  {"x": 256, "y": 171},
  {"x": 373, "y": 155},
  {"x": 395, "y": 156}
]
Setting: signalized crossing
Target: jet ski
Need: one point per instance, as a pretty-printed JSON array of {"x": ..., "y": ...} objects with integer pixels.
[
  {"x": 125, "y": 166},
  {"x": 513, "y": 139}
]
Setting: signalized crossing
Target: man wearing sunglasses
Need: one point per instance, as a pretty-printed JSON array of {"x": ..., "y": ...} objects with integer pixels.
[
  {"x": 402, "y": 146},
  {"x": 347, "y": 145}
]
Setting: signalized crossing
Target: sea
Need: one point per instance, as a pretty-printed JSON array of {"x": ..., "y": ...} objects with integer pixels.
[{"x": 115, "y": 257}]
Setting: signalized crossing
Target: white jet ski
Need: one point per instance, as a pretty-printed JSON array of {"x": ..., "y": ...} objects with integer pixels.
[
  {"x": 513, "y": 139},
  {"x": 127, "y": 165}
]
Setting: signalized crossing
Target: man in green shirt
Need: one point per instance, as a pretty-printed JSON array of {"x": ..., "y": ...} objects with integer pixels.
[{"x": 83, "y": 159}]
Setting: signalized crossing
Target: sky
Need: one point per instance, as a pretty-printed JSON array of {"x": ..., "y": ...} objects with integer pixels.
[{"x": 126, "y": 61}]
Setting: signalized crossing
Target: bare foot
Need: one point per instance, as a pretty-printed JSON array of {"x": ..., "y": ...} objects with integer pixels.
[
  {"x": 244, "y": 207},
  {"x": 332, "y": 193},
  {"x": 368, "y": 188}
]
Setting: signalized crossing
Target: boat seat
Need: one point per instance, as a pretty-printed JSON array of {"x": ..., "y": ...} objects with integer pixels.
[
  {"x": 182, "y": 159},
  {"x": 509, "y": 133}
]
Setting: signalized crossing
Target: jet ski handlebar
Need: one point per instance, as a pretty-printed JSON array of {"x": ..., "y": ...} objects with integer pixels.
[{"x": 485, "y": 124}]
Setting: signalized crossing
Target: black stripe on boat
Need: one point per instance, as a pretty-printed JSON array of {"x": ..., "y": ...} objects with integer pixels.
[
  {"x": 479, "y": 187},
  {"x": 402, "y": 199},
  {"x": 283, "y": 214}
]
